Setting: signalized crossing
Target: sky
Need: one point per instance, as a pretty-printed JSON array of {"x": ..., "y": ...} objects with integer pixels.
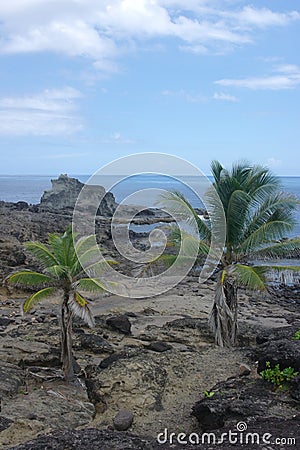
[{"x": 83, "y": 82}]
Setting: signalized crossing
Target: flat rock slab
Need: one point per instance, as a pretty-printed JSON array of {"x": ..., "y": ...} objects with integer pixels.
[
  {"x": 11, "y": 378},
  {"x": 58, "y": 406},
  {"x": 15, "y": 350}
]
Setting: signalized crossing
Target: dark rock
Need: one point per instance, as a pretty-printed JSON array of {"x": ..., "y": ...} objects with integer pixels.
[
  {"x": 5, "y": 321},
  {"x": 4, "y": 423},
  {"x": 94, "y": 343},
  {"x": 244, "y": 370},
  {"x": 11, "y": 378},
  {"x": 123, "y": 420},
  {"x": 120, "y": 323},
  {"x": 95, "y": 439},
  {"x": 106, "y": 439},
  {"x": 65, "y": 192},
  {"x": 284, "y": 352},
  {"x": 20, "y": 206},
  {"x": 295, "y": 388},
  {"x": 159, "y": 346},
  {"x": 275, "y": 334},
  {"x": 106, "y": 362},
  {"x": 239, "y": 399}
]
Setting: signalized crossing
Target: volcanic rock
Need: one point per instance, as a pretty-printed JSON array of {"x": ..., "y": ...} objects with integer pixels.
[{"x": 123, "y": 420}]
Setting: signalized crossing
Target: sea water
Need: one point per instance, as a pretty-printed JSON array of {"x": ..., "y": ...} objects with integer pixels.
[{"x": 29, "y": 188}]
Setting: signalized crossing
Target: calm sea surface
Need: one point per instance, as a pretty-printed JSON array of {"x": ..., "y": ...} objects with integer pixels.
[{"x": 30, "y": 188}]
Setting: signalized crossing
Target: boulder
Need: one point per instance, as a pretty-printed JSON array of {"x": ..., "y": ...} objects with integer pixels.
[
  {"x": 123, "y": 420},
  {"x": 65, "y": 192},
  {"x": 96, "y": 344},
  {"x": 241, "y": 399},
  {"x": 159, "y": 346},
  {"x": 284, "y": 352},
  {"x": 244, "y": 370},
  {"x": 120, "y": 323}
]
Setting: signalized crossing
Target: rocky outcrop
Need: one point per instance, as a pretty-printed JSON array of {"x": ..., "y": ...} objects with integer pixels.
[
  {"x": 242, "y": 399},
  {"x": 284, "y": 352},
  {"x": 94, "y": 439},
  {"x": 65, "y": 192}
]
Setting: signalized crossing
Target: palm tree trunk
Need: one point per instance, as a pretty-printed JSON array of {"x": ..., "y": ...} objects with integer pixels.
[
  {"x": 230, "y": 290},
  {"x": 223, "y": 317},
  {"x": 66, "y": 339}
]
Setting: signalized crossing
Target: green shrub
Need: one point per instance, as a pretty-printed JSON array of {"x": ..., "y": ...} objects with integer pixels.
[
  {"x": 296, "y": 336},
  {"x": 209, "y": 394},
  {"x": 277, "y": 376}
]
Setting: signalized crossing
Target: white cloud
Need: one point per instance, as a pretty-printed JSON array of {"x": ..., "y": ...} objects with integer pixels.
[
  {"x": 225, "y": 97},
  {"x": 197, "y": 98},
  {"x": 274, "y": 162},
  {"x": 102, "y": 30},
  {"x": 52, "y": 112},
  {"x": 284, "y": 77},
  {"x": 264, "y": 17}
]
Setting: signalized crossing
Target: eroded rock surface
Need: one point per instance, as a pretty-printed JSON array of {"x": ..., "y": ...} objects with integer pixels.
[{"x": 65, "y": 192}]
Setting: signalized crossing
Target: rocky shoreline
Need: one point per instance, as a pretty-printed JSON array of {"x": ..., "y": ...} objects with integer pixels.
[{"x": 154, "y": 358}]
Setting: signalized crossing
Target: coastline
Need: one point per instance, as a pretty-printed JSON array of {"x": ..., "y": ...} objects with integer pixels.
[{"x": 159, "y": 370}]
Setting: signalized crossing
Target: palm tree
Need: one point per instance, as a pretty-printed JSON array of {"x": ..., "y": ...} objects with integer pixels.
[
  {"x": 258, "y": 216},
  {"x": 62, "y": 271}
]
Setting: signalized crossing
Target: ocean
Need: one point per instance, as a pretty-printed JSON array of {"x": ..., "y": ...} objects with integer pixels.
[{"x": 29, "y": 188}]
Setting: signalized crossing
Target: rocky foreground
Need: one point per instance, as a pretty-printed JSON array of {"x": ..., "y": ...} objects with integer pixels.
[{"x": 148, "y": 366}]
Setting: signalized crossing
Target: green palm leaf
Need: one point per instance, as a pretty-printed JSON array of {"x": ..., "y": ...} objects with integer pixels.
[
  {"x": 249, "y": 276},
  {"x": 176, "y": 203},
  {"x": 266, "y": 233},
  {"x": 89, "y": 285},
  {"x": 37, "y": 297},
  {"x": 284, "y": 249},
  {"x": 236, "y": 214},
  {"x": 42, "y": 253},
  {"x": 58, "y": 271},
  {"x": 28, "y": 278}
]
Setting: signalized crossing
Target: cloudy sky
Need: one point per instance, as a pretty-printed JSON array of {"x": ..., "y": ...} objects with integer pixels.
[{"x": 83, "y": 82}]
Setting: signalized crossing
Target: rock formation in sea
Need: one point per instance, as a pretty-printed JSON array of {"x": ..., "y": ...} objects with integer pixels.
[{"x": 65, "y": 192}]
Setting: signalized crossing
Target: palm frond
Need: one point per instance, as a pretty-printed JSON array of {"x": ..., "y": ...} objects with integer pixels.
[
  {"x": 58, "y": 271},
  {"x": 37, "y": 297},
  {"x": 251, "y": 277},
  {"x": 79, "y": 307},
  {"x": 216, "y": 170},
  {"x": 99, "y": 268},
  {"x": 63, "y": 247},
  {"x": 237, "y": 211},
  {"x": 284, "y": 249},
  {"x": 41, "y": 253},
  {"x": 265, "y": 234},
  {"x": 263, "y": 212},
  {"x": 28, "y": 278},
  {"x": 89, "y": 285},
  {"x": 178, "y": 205}
]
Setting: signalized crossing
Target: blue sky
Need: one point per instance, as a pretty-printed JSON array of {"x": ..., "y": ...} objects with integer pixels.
[{"x": 83, "y": 82}]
